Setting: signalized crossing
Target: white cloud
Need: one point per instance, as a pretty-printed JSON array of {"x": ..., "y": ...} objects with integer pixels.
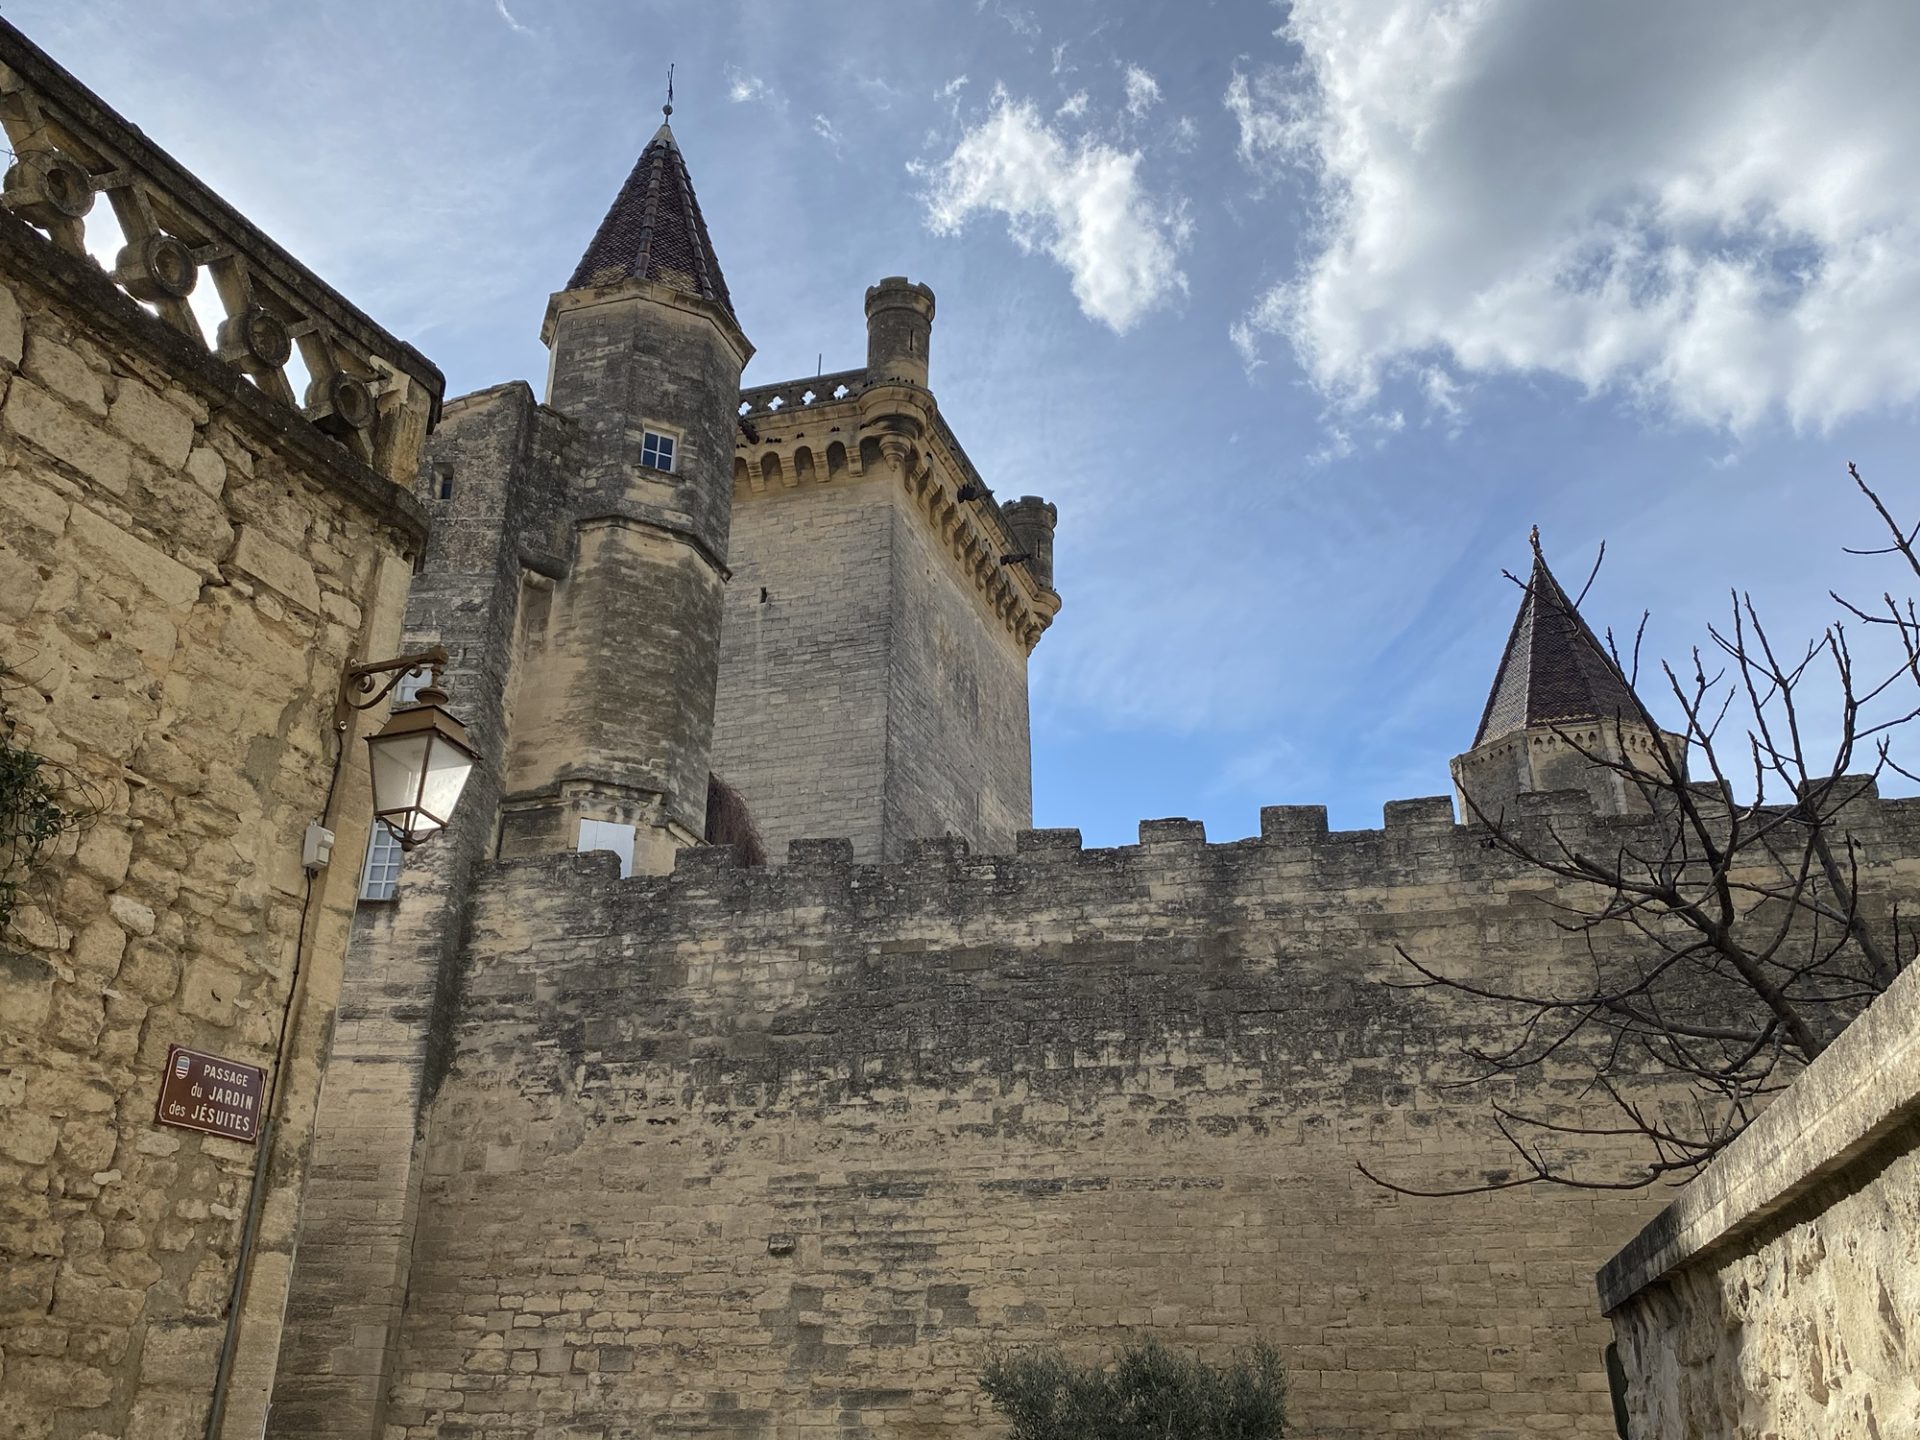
[
  {"x": 743, "y": 88},
  {"x": 1247, "y": 344},
  {"x": 1714, "y": 209},
  {"x": 507, "y": 15},
  {"x": 1269, "y": 114},
  {"x": 1021, "y": 22},
  {"x": 823, "y": 127},
  {"x": 1143, "y": 91},
  {"x": 952, "y": 88},
  {"x": 1074, "y": 107},
  {"x": 1082, "y": 203}
]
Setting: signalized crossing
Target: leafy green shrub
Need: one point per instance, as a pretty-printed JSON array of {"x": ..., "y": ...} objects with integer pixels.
[
  {"x": 1149, "y": 1393},
  {"x": 30, "y": 817}
]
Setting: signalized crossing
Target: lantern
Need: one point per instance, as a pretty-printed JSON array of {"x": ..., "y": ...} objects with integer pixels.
[{"x": 420, "y": 762}]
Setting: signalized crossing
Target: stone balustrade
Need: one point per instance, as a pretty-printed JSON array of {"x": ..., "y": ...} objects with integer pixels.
[
  {"x": 788, "y": 395},
  {"x": 371, "y": 392}
]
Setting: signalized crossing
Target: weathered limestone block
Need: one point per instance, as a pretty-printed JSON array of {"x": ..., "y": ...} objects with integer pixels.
[
  {"x": 40, "y": 418},
  {"x": 276, "y": 565},
  {"x": 160, "y": 428},
  {"x": 66, "y": 372},
  {"x": 160, "y": 575}
]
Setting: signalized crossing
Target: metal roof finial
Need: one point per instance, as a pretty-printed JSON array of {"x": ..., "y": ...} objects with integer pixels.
[{"x": 667, "y": 109}]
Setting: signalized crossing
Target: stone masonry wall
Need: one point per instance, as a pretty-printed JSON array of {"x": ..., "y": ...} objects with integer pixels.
[
  {"x": 800, "y": 720},
  {"x": 787, "y": 1151},
  {"x": 959, "y": 753},
  {"x": 872, "y": 694},
  {"x": 1778, "y": 1295},
  {"x": 185, "y": 569}
]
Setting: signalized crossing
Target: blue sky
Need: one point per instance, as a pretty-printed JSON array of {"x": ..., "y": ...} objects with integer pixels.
[{"x": 1301, "y": 314}]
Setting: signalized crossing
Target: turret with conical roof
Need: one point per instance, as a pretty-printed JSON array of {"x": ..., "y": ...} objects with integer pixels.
[
  {"x": 613, "y": 722},
  {"x": 654, "y": 230},
  {"x": 1558, "y": 698}
]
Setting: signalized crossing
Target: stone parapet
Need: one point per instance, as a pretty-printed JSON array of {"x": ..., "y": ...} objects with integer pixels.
[
  {"x": 1418, "y": 844},
  {"x": 373, "y": 394},
  {"x": 834, "y": 429}
]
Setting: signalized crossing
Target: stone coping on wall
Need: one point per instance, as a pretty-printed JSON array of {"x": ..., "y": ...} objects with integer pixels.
[{"x": 1865, "y": 1086}]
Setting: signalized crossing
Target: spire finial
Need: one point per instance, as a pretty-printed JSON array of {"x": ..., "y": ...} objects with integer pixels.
[
  {"x": 1533, "y": 539},
  {"x": 667, "y": 109}
]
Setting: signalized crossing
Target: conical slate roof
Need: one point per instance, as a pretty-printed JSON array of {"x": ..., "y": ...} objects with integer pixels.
[
  {"x": 654, "y": 230},
  {"x": 1554, "y": 671}
]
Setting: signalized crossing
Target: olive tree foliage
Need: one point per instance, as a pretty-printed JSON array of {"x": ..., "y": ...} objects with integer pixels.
[
  {"x": 1149, "y": 1393},
  {"x": 1727, "y": 940}
]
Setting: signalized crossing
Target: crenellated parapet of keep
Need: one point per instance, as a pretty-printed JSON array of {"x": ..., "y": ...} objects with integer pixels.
[
  {"x": 375, "y": 395},
  {"x": 839, "y": 428}
]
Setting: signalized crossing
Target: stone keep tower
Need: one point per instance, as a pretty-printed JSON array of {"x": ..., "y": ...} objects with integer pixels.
[
  {"x": 613, "y": 713},
  {"x": 873, "y": 674},
  {"x": 1557, "y": 698}
]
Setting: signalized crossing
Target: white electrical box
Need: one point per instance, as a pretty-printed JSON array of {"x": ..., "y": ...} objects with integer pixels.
[{"x": 317, "y": 850}]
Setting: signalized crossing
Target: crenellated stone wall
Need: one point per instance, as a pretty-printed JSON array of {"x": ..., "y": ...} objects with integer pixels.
[{"x": 787, "y": 1151}]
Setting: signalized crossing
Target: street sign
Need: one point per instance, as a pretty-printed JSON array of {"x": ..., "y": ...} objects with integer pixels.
[{"x": 211, "y": 1094}]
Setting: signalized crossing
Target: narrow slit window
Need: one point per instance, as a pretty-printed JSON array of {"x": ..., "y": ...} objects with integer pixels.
[
  {"x": 444, "y": 482},
  {"x": 656, "y": 450}
]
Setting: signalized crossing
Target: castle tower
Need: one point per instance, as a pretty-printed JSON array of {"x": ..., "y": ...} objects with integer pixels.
[
  {"x": 613, "y": 699},
  {"x": 1557, "y": 699},
  {"x": 873, "y": 677}
]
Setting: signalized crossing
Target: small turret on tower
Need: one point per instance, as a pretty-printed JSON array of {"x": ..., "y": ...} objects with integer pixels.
[
  {"x": 899, "y": 330},
  {"x": 1032, "y": 522},
  {"x": 1558, "y": 698}
]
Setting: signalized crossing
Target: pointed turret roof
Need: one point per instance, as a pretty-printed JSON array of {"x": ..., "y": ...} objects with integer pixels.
[
  {"x": 654, "y": 230},
  {"x": 1554, "y": 671}
]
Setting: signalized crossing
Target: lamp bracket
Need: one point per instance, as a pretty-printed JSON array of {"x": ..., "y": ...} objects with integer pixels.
[{"x": 361, "y": 680}]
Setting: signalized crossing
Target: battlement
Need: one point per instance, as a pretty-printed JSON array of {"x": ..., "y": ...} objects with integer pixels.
[
  {"x": 844, "y": 435},
  {"x": 1418, "y": 844}
]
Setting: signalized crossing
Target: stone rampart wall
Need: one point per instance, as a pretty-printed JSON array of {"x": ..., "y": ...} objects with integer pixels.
[
  {"x": 1778, "y": 1296},
  {"x": 186, "y": 566},
  {"x": 787, "y": 1151}
]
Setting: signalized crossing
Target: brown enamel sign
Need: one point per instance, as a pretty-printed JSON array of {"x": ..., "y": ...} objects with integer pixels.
[{"x": 211, "y": 1094}]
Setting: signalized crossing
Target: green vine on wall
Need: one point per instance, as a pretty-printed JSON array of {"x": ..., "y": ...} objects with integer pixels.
[{"x": 32, "y": 815}]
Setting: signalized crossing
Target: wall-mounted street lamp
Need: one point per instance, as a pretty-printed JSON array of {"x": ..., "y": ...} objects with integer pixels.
[{"x": 421, "y": 758}]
